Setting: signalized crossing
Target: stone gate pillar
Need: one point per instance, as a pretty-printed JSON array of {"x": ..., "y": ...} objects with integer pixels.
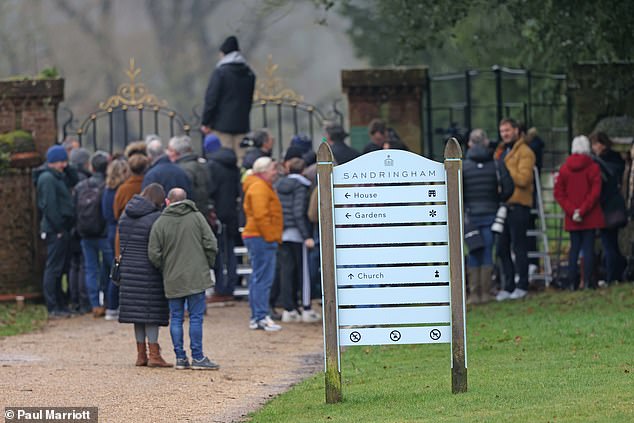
[
  {"x": 30, "y": 105},
  {"x": 393, "y": 94}
]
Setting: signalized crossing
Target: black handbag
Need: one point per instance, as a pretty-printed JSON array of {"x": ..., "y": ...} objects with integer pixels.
[
  {"x": 614, "y": 212},
  {"x": 115, "y": 267},
  {"x": 115, "y": 271},
  {"x": 473, "y": 237}
]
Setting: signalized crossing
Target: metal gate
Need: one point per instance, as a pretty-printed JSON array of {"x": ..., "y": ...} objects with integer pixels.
[
  {"x": 456, "y": 103},
  {"x": 459, "y": 102},
  {"x": 134, "y": 112}
]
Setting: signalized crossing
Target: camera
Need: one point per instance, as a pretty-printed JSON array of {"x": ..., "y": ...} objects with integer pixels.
[
  {"x": 500, "y": 218},
  {"x": 255, "y": 139},
  {"x": 247, "y": 142}
]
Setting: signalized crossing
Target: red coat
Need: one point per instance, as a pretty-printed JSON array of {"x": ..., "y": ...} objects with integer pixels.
[{"x": 578, "y": 186}]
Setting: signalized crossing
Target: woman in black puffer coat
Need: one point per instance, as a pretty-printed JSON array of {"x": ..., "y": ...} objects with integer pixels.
[{"x": 141, "y": 297}]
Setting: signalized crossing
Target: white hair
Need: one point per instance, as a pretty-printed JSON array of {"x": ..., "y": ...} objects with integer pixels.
[
  {"x": 155, "y": 148},
  {"x": 151, "y": 137},
  {"x": 263, "y": 164},
  {"x": 182, "y": 144},
  {"x": 580, "y": 145}
]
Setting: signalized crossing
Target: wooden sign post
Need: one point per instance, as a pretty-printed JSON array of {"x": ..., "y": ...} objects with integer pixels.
[
  {"x": 328, "y": 282},
  {"x": 391, "y": 255},
  {"x": 453, "y": 168}
]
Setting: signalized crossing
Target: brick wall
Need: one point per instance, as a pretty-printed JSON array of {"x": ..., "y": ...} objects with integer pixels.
[
  {"x": 31, "y": 106},
  {"x": 18, "y": 239}
]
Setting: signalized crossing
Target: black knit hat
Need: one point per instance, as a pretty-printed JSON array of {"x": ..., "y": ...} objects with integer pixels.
[{"x": 229, "y": 45}]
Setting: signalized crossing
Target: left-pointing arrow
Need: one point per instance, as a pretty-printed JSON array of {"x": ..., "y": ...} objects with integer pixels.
[
  {"x": 347, "y": 195},
  {"x": 348, "y": 215}
]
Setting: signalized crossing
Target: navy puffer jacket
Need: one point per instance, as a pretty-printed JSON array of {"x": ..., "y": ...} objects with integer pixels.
[
  {"x": 292, "y": 191},
  {"x": 141, "y": 296},
  {"x": 480, "y": 182}
]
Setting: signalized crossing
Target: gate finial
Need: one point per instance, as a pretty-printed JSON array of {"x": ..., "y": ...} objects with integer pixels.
[
  {"x": 133, "y": 93},
  {"x": 271, "y": 87}
]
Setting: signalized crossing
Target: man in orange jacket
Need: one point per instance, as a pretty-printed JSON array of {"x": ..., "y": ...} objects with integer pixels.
[{"x": 262, "y": 233}]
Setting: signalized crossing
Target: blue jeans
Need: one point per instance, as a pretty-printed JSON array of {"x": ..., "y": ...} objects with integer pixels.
[
  {"x": 483, "y": 256},
  {"x": 225, "y": 261},
  {"x": 196, "y": 308},
  {"x": 262, "y": 255},
  {"x": 93, "y": 267},
  {"x": 56, "y": 250},
  {"x": 112, "y": 295},
  {"x": 581, "y": 241}
]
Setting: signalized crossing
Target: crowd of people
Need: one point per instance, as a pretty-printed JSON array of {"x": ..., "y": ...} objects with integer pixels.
[
  {"x": 171, "y": 219},
  {"x": 499, "y": 193}
]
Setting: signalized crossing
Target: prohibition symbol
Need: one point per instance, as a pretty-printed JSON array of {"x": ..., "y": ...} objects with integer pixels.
[
  {"x": 434, "y": 334},
  {"x": 395, "y": 335},
  {"x": 355, "y": 336}
]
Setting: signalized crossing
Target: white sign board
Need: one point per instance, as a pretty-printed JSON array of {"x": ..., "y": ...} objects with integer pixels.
[{"x": 392, "y": 250}]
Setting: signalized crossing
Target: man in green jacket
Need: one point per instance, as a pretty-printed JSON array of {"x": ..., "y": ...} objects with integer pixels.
[
  {"x": 184, "y": 249},
  {"x": 58, "y": 217}
]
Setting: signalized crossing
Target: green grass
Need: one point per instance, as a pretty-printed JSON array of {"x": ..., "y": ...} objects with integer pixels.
[
  {"x": 14, "y": 322},
  {"x": 556, "y": 357}
]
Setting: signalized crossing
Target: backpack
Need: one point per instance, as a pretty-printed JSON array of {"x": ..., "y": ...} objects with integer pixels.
[{"x": 90, "y": 220}]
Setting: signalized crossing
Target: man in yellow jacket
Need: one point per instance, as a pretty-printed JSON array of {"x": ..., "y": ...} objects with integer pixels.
[
  {"x": 262, "y": 233},
  {"x": 519, "y": 160}
]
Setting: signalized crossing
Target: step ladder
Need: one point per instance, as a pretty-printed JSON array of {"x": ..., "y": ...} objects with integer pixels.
[
  {"x": 243, "y": 270},
  {"x": 541, "y": 234}
]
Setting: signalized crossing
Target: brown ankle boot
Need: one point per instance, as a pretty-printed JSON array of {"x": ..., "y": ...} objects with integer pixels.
[
  {"x": 98, "y": 311},
  {"x": 486, "y": 274},
  {"x": 141, "y": 354},
  {"x": 475, "y": 286},
  {"x": 155, "y": 357}
]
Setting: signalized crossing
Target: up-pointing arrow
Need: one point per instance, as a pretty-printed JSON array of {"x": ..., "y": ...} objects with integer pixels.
[
  {"x": 350, "y": 276},
  {"x": 347, "y": 195}
]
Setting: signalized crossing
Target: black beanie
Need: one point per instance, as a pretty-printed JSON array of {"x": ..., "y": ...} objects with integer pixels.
[{"x": 229, "y": 45}]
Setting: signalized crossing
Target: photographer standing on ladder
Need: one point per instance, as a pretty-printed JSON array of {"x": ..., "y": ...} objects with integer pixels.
[{"x": 519, "y": 160}]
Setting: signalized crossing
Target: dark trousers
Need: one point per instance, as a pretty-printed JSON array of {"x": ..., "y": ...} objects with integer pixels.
[
  {"x": 57, "y": 247},
  {"x": 613, "y": 260},
  {"x": 290, "y": 258},
  {"x": 314, "y": 266},
  {"x": 532, "y": 240},
  {"x": 514, "y": 237},
  {"x": 581, "y": 241},
  {"x": 76, "y": 281},
  {"x": 226, "y": 264}
]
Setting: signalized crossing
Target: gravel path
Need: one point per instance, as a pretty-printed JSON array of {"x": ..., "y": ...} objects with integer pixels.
[{"x": 90, "y": 362}]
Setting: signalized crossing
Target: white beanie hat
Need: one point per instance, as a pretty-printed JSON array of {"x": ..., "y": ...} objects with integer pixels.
[{"x": 580, "y": 145}]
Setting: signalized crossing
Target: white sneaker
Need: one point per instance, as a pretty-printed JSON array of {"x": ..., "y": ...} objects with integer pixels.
[
  {"x": 503, "y": 295},
  {"x": 291, "y": 316},
  {"x": 268, "y": 325},
  {"x": 310, "y": 316},
  {"x": 253, "y": 324},
  {"x": 112, "y": 315},
  {"x": 518, "y": 294}
]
